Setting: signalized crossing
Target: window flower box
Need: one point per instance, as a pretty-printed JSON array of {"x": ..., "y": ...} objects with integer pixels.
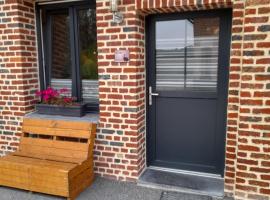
[
  {"x": 59, "y": 102},
  {"x": 77, "y": 110}
]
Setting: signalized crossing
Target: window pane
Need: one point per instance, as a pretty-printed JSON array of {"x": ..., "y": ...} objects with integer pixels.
[
  {"x": 61, "y": 58},
  {"x": 202, "y": 53},
  {"x": 88, "y": 54},
  {"x": 170, "y": 56},
  {"x": 187, "y": 54}
]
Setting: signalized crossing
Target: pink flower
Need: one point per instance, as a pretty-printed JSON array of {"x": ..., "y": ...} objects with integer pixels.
[
  {"x": 46, "y": 97},
  {"x": 55, "y": 97}
]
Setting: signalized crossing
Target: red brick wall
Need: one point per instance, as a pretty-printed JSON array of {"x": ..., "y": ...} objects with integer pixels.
[
  {"x": 252, "y": 163},
  {"x": 18, "y": 68},
  {"x": 120, "y": 144}
]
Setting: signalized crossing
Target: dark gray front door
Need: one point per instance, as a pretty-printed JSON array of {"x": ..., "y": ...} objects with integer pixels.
[{"x": 187, "y": 88}]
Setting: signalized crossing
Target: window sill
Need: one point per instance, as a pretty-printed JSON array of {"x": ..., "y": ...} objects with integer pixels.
[{"x": 89, "y": 117}]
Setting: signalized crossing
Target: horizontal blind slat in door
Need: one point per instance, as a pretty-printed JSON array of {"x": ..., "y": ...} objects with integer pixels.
[
  {"x": 201, "y": 63},
  {"x": 170, "y": 68}
]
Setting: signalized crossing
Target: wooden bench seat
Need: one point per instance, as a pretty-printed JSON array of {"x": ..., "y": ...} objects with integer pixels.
[{"x": 51, "y": 159}]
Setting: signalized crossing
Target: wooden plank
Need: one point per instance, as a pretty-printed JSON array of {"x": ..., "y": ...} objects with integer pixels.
[
  {"x": 27, "y": 162},
  {"x": 80, "y": 183},
  {"x": 13, "y": 180},
  {"x": 9, "y": 183},
  {"x": 49, "y": 173},
  {"x": 57, "y": 132},
  {"x": 92, "y": 141},
  {"x": 17, "y": 167},
  {"x": 22, "y": 178},
  {"x": 75, "y": 146},
  {"x": 80, "y": 168},
  {"x": 53, "y": 190},
  {"x": 37, "y": 171},
  {"x": 46, "y": 180},
  {"x": 36, "y": 179},
  {"x": 14, "y": 176},
  {"x": 46, "y": 151},
  {"x": 37, "y": 155},
  {"x": 38, "y": 122},
  {"x": 77, "y": 125},
  {"x": 13, "y": 173}
]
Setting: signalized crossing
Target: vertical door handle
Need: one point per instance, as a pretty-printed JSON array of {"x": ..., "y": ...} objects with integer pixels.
[{"x": 151, "y": 94}]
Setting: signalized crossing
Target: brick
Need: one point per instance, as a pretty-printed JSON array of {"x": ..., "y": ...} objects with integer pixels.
[
  {"x": 257, "y": 2},
  {"x": 255, "y": 37},
  {"x": 265, "y": 191},
  {"x": 261, "y": 110},
  {"x": 253, "y": 20},
  {"x": 264, "y": 10},
  {"x": 258, "y": 183},
  {"x": 264, "y": 28}
]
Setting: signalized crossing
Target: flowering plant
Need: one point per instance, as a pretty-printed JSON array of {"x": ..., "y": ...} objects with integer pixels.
[{"x": 56, "y": 97}]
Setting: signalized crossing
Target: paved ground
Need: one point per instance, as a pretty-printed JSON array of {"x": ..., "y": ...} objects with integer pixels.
[{"x": 104, "y": 189}]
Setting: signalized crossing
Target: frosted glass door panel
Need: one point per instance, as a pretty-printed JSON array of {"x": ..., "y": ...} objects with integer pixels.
[{"x": 187, "y": 54}]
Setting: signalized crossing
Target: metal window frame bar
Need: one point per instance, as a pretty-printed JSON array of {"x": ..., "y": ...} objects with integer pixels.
[{"x": 47, "y": 2}]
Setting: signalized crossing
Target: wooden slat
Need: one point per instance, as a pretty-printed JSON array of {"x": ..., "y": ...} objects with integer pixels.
[
  {"x": 36, "y": 178},
  {"x": 11, "y": 183},
  {"x": 80, "y": 168},
  {"x": 43, "y": 180},
  {"x": 38, "y": 122},
  {"x": 37, "y": 155},
  {"x": 36, "y": 182},
  {"x": 17, "y": 167},
  {"x": 53, "y": 190},
  {"x": 49, "y": 172},
  {"x": 92, "y": 141},
  {"x": 57, "y": 144},
  {"x": 39, "y": 170},
  {"x": 49, "y": 190},
  {"x": 76, "y": 125},
  {"x": 46, "y": 151},
  {"x": 56, "y": 132},
  {"x": 26, "y": 162},
  {"x": 81, "y": 182},
  {"x": 13, "y": 174}
]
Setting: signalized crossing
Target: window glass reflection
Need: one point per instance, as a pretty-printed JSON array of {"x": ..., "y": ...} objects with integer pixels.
[
  {"x": 61, "y": 73},
  {"x": 187, "y": 54},
  {"x": 88, "y": 54}
]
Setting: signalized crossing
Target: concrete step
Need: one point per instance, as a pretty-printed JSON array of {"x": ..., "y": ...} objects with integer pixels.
[{"x": 206, "y": 186}]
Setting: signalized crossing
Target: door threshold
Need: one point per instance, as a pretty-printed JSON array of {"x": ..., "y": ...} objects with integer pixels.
[
  {"x": 182, "y": 182},
  {"x": 178, "y": 171}
]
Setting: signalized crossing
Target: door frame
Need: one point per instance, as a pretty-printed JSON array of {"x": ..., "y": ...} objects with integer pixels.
[{"x": 223, "y": 74}]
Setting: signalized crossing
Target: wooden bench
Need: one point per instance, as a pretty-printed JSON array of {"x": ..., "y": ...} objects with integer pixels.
[{"x": 54, "y": 157}]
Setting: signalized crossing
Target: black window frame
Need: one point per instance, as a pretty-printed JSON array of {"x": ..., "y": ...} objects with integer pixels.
[{"x": 44, "y": 38}]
